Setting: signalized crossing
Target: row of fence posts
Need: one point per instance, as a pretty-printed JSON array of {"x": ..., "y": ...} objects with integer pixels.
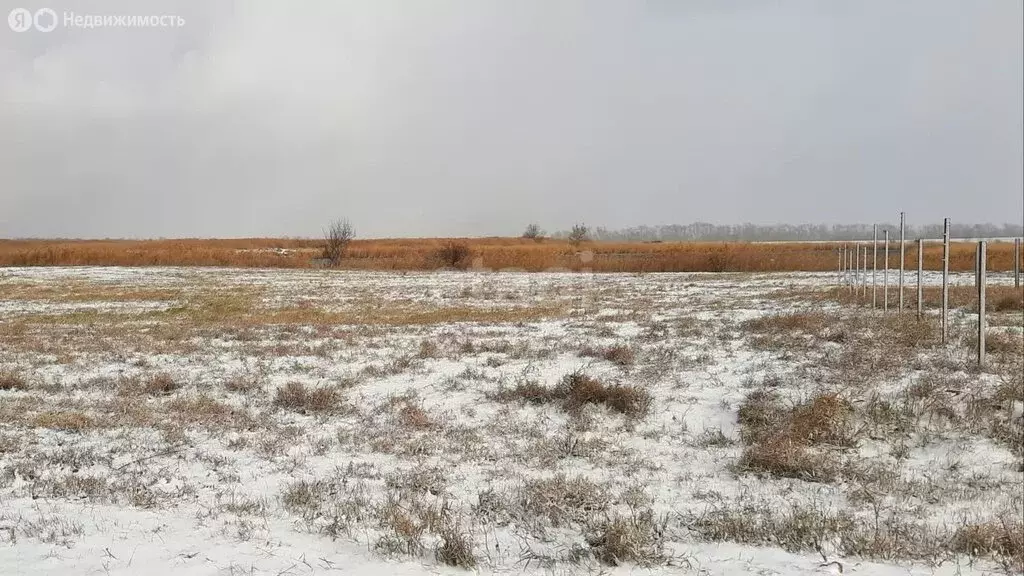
[{"x": 853, "y": 271}]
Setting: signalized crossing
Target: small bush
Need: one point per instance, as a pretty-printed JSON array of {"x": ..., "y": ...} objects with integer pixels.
[
  {"x": 577, "y": 390},
  {"x": 454, "y": 255},
  {"x": 295, "y": 396}
]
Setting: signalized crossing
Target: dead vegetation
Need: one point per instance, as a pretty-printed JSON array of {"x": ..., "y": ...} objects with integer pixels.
[
  {"x": 10, "y": 380},
  {"x": 619, "y": 354},
  {"x": 637, "y": 539},
  {"x": 297, "y": 397},
  {"x": 577, "y": 390},
  {"x": 418, "y": 438}
]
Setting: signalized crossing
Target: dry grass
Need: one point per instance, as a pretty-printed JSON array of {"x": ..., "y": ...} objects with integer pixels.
[
  {"x": 781, "y": 438},
  {"x": 494, "y": 253},
  {"x": 297, "y": 397},
  {"x": 10, "y": 380},
  {"x": 619, "y": 354},
  {"x": 809, "y": 528},
  {"x": 1003, "y": 540},
  {"x": 455, "y": 547},
  {"x": 67, "y": 421},
  {"x": 561, "y": 500},
  {"x": 637, "y": 539},
  {"x": 577, "y": 390}
]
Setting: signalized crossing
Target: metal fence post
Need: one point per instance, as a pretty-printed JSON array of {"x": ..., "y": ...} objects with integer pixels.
[
  {"x": 1016, "y": 262},
  {"x": 945, "y": 279},
  {"x": 839, "y": 270},
  {"x": 982, "y": 256},
  {"x": 902, "y": 250},
  {"x": 977, "y": 264},
  {"x": 920, "y": 281},
  {"x": 874, "y": 267},
  {"x": 885, "y": 276},
  {"x": 864, "y": 274}
]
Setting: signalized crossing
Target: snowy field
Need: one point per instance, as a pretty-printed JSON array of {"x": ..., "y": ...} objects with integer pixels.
[{"x": 215, "y": 421}]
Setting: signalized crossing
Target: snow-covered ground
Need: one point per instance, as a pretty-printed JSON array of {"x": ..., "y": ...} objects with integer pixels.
[{"x": 224, "y": 421}]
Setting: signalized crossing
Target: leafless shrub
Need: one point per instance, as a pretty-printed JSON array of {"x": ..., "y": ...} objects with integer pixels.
[
  {"x": 454, "y": 255},
  {"x": 579, "y": 234},
  {"x": 533, "y": 232},
  {"x": 297, "y": 397},
  {"x": 336, "y": 240}
]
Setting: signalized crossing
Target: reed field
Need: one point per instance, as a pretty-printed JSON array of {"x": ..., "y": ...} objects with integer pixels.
[{"x": 486, "y": 253}]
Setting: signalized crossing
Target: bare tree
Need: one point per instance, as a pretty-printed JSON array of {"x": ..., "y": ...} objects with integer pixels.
[
  {"x": 336, "y": 240},
  {"x": 580, "y": 233},
  {"x": 534, "y": 233}
]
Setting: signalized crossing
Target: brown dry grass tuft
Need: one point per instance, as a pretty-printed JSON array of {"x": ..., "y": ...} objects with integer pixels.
[
  {"x": 620, "y": 354},
  {"x": 780, "y": 437},
  {"x": 10, "y": 380},
  {"x": 297, "y": 397},
  {"x": 1003, "y": 540},
  {"x": 161, "y": 384},
  {"x": 67, "y": 421},
  {"x": 637, "y": 539},
  {"x": 455, "y": 547},
  {"x": 414, "y": 416},
  {"x": 577, "y": 390}
]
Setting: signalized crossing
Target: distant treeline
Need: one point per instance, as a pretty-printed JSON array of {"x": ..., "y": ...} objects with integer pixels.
[{"x": 702, "y": 231}]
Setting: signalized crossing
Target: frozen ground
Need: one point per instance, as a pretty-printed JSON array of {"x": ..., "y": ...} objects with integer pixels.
[{"x": 212, "y": 421}]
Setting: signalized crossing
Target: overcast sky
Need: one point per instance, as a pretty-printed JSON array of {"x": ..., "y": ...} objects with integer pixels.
[{"x": 475, "y": 117}]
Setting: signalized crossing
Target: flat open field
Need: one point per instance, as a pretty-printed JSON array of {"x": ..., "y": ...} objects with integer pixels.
[{"x": 270, "y": 421}]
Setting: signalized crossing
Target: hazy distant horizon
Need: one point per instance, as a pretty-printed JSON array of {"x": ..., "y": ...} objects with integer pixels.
[
  {"x": 475, "y": 117},
  {"x": 858, "y": 231}
]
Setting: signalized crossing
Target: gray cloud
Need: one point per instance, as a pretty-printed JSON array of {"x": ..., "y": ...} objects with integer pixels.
[{"x": 473, "y": 117}]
